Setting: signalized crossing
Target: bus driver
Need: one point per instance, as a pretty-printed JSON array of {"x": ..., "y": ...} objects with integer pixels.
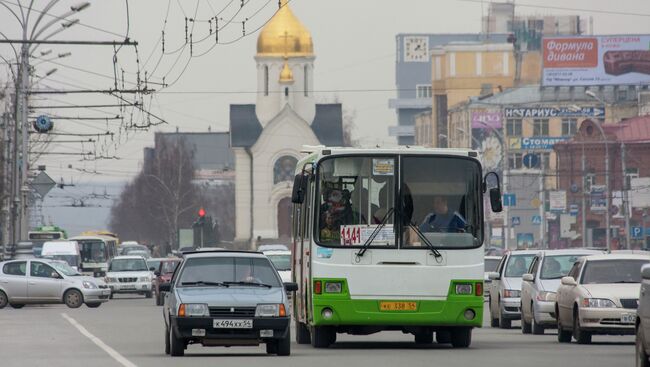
[{"x": 442, "y": 219}]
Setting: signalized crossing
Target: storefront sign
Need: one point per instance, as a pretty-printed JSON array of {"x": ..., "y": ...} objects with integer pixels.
[
  {"x": 486, "y": 120},
  {"x": 548, "y": 112}
]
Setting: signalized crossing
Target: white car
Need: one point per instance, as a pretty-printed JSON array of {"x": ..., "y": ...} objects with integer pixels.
[
  {"x": 505, "y": 289},
  {"x": 281, "y": 259},
  {"x": 491, "y": 263},
  {"x": 599, "y": 296},
  {"x": 643, "y": 320},
  {"x": 539, "y": 286},
  {"x": 129, "y": 274}
]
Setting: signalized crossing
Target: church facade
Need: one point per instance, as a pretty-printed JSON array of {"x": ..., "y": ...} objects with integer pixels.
[{"x": 266, "y": 137}]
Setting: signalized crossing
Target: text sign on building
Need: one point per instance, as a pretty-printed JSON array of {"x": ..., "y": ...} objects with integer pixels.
[
  {"x": 598, "y": 198},
  {"x": 548, "y": 112},
  {"x": 486, "y": 120},
  {"x": 557, "y": 201},
  {"x": 599, "y": 60},
  {"x": 535, "y": 142}
]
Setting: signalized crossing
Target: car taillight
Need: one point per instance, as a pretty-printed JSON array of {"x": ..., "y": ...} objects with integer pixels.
[
  {"x": 318, "y": 287},
  {"x": 478, "y": 289}
]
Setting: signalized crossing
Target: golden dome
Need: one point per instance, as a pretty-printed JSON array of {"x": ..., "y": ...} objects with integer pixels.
[
  {"x": 285, "y": 36},
  {"x": 286, "y": 75}
]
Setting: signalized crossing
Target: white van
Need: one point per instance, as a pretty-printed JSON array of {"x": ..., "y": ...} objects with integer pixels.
[{"x": 67, "y": 251}]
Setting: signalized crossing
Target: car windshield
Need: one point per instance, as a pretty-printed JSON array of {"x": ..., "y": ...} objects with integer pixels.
[
  {"x": 155, "y": 264},
  {"x": 128, "y": 265},
  {"x": 168, "y": 266},
  {"x": 228, "y": 270},
  {"x": 281, "y": 262},
  {"x": 518, "y": 265},
  {"x": 491, "y": 264},
  {"x": 72, "y": 260},
  {"x": 613, "y": 271},
  {"x": 93, "y": 251},
  {"x": 556, "y": 267},
  {"x": 63, "y": 268}
]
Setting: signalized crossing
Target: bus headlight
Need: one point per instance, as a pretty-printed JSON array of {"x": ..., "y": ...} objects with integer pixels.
[
  {"x": 464, "y": 289},
  {"x": 333, "y": 287}
]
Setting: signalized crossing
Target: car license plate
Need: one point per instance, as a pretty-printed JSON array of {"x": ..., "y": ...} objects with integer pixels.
[
  {"x": 397, "y": 306},
  {"x": 233, "y": 324},
  {"x": 628, "y": 318},
  {"x": 128, "y": 287}
]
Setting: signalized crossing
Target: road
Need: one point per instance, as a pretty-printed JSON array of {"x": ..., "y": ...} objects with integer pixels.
[{"x": 128, "y": 331}]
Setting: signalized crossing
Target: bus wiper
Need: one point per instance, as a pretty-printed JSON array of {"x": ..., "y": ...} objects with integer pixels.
[
  {"x": 250, "y": 283},
  {"x": 216, "y": 284},
  {"x": 374, "y": 233},
  {"x": 426, "y": 241}
]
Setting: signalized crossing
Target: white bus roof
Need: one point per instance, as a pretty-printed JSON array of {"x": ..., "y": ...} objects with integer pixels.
[{"x": 93, "y": 237}]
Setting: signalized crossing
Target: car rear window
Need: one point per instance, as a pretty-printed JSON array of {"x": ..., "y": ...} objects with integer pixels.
[
  {"x": 613, "y": 271},
  {"x": 228, "y": 269}
]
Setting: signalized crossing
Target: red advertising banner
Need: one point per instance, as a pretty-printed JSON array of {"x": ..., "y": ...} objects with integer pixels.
[{"x": 570, "y": 52}]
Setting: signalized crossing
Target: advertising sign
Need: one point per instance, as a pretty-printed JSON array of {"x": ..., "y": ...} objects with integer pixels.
[
  {"x": 548, "y": 112},
  {"x": 535, "y": 142},
  {"x": 597, "y": 60},
  {"x": 598, "y": 198},
  {"x": 525, "y": 240},
  {"x": 486, "y": 120},
  {"x": 557, "y": 201}
]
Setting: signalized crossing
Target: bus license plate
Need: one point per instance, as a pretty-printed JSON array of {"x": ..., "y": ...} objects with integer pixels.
[
  {"x": 233, "y": 324},
  {"x": 397, "y": 306}
]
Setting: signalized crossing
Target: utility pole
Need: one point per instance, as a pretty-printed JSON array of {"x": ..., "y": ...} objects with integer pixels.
[
  {"x": 542, "y": 205},
  {"x": 584, "y": 196},
  {"x": 506, "y": 177},
  {"x": 624, "y": 191}
]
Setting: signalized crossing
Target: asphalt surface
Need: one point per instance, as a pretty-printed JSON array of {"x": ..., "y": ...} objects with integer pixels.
[{"x": 129, "y": 331}]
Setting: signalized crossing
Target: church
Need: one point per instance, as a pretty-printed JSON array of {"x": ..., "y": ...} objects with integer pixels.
[{"x": 266, "y": 137}]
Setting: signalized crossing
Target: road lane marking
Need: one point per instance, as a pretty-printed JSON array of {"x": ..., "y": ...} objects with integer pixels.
[{"x": 111, "y": 352}]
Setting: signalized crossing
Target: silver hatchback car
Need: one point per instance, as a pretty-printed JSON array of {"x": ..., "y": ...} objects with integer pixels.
[
  {"x": 226, "y": 298},
  {"x": 48, "y": 281}
]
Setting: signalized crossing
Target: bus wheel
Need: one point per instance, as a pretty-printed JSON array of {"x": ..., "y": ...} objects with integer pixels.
[
  {"x": 321, "y": 336},
  {"x": 461, "y": 337},
  {"x": 302, "y": 333},
  {"x": 443, "y": 337},
  {"x": 424, "y": 338}
]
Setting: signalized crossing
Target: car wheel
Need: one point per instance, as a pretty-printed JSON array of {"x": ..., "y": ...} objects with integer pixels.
[
  {"x": 272, "y": 347},
  {"x": 461, "y": 337},
  {"x": 503, "y": 322},
  {"x": 321, "y": 336},
  {"x": 159, "y": 299},
  {"x": 17, "y": 305},
  {"x": 581, "y": 336},
  {"x": 536, "y": 328},
  {"x": 563, "y": 336},
  {"x": 93, "y": 305},
  {"x": 148, "y": 294},
  {"x": 302, "y": 333},
  {"x": 73, "y": 298},
  {"x": 641, "y": 355},
  {"x": 176, "y": 345},
  {"x": 3, "y": 299},
  {"x": 167, "y": 346},
  {"x": 110, "y": 296},
  {"x": 283, "y": 346},
  {"x": 525, "y": 326},
  {"x": 424, "y": 338},
  {"x": 443, "y": 337}
]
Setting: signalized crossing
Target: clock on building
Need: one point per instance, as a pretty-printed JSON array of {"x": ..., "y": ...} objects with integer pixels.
[{"x": 416, "y": 49}]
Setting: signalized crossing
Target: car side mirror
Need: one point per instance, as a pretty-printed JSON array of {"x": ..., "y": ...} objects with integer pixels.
[
  {"x": 291, "y": 286},
  {"x": 493, "y": 275},
  {"x": 156, "y": 273},
  {"x": 528, "y": 277},
  {"x": 152, "y": 269},
  {"x": 299, "y": 188},
  {"x": 55, "y": 275},
  {"x": 645, "y": 272},
  {"x": 165, "y": 287},
  {"x": 569, "y": 281}
]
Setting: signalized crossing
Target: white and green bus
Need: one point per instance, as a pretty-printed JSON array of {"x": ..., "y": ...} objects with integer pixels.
[{"x": 389, "y": 239}]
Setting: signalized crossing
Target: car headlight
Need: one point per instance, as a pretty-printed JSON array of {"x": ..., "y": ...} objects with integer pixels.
[
  {"x": 598, "y": 303},
  {"x": 89, "y": 285},
  {"x": 511, "y": 293},
  {"x": 193, "y": 310},
  {"x": 144, "y": 279},
  {"x": 546, "y": 296},
  {"x": 110, "y": 279},
  {"x": 270, "y": 310}
]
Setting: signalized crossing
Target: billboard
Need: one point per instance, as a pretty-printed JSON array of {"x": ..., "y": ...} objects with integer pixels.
[
  {"x": 557, "y": 200},
  {"x": 547, "y": 112},
  {"x": 535, "y": 142},
  {"x": 486, "y": 119},
  {"x": 596, "y": 60}
]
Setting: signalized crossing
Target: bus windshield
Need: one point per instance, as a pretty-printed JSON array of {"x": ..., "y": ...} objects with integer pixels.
[
  {"x": 93, "y": 251},
  {"x": 439, "y": 201}
]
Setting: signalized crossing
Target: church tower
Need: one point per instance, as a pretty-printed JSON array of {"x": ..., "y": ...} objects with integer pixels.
[{"x": 285, "y": 67}]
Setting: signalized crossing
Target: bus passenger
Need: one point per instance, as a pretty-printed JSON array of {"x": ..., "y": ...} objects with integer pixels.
[{"x": 442, "y": 219}]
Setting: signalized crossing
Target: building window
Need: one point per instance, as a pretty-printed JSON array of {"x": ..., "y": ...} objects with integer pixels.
[
  {"x": 569, "y": 127},
  {"x": 545, "y": 160},
  {"x": 630, "y": 173},
  {"x": 513, "y": 127},
  {"x": 306, "y": 77},
  {"x": 540, "y": 127},
  {"x": 284, "y": 169},
  {"x": 423, "y": 91},
  {"x": 590, "y": 180},
  {"x": 266, "y": 80},
  {"x": 515, "y": 160}
]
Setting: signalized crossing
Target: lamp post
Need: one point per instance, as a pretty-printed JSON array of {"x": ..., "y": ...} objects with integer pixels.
[{"x": 608, "y": 239}]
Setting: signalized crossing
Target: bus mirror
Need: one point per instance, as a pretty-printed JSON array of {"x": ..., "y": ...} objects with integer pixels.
[
  {"x": 495, "y": 200},
  {"x": 299, "y": 186}
]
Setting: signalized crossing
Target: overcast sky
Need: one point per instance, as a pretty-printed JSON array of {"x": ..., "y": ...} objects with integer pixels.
[{"x": 354, "y": 43}]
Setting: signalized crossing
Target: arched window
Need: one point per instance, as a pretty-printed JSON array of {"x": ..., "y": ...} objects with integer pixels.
[
  {"x": 284, "y": 169},
  {"x": 266, "y": 80},
  {"x": 306, "y": 77}
]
